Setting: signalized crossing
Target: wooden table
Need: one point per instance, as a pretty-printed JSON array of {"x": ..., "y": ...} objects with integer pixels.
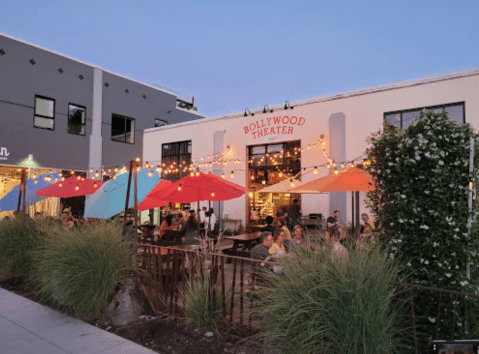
[
  {"x": 255, "y": 228},
  {"x": 169, "y": 234},
  {"x": 245, "y": 241}
]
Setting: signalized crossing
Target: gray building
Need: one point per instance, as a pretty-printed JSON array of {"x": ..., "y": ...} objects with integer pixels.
[{"x": 73, "y": 115}]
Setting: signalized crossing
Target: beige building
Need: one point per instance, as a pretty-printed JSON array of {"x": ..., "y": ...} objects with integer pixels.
[{"x": 261, "y": 147}]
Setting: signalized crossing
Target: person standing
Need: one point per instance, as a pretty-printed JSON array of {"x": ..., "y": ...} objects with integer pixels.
[
  {"x": 294, "y": 213},
  {"x": 211, "y": 219},
  {"x": 190, "y": 228}
]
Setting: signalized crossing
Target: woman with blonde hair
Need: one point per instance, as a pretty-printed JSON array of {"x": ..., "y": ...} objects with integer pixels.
[{"x": 299, "y": 240}]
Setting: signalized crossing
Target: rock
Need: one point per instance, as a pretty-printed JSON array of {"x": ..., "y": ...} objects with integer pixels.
[{"x": 127, "y": 305}]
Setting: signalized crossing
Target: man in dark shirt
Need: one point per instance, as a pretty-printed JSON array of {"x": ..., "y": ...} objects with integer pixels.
[
  {"x": 333, "y": 224},
  {"x": 261, "y": 252},
  {"x": 269, "y": 224},
  {"x": 294, "y": 213}
]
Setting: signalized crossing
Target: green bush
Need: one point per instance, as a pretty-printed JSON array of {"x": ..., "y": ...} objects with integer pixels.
[
  {"x": 82, "y": 267},
  {"x": 422, "y": 177},
  {"x": 18, "y": 238},
  {"x": 199, "y": 304},
  {"x": 326, "y": 304}
]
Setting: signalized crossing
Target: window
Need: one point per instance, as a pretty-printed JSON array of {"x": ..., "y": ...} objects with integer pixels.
[
  {"x": 76, "y": 119},
  {"x": 44, "y": 117},
  {"x": 402, "y": 119},
  {"x": 122, "y": 129},
  {"x": 175, "y": 160},
  {"x": 160, "y": 122}
]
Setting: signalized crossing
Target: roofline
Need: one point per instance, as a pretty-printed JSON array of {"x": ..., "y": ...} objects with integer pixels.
[
  {"x": 374, "y": 89},
  {"x": 82, "y": 62}
]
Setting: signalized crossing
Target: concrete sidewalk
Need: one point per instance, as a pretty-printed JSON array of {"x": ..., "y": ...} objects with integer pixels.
[{"x": 27, "y": 327}]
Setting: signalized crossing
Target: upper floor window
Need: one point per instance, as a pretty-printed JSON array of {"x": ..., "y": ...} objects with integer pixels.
[
  {"x": 44, "y": 117},
  {"x": 402, "y": 119},
  {"x": 160, "y": 122},
  {"x": 122, "y": 129},
  {"x": 76, "y": 119},
  {"x": 176, "y": 159}
]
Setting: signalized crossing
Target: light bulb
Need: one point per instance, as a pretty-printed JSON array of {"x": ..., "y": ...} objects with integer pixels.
[
  {"x": 138, "y": 169},
  {"x": 114, "y": 177},
  {"x": 336, "y": 172},
  {"x": 150, "y": 174},
  {"x": 280, "y": 174},
  {"x": 79, "y": 178},
  {"x": 328, "y": 165},
  {"x": 116, "y": 169},
  {"x": 213, "y": 193},
  {"x": 232, "y": 174},
  {"x": 60, "y": 184},
  {"x": 342, "y": 165},
  {"x": 91, "y": 170},
  {"x": 147, "y": 165},
  {"x": 264, "y": 182},
  {"x": 63, "y": 178},
  {"x": 179, "y": 187},
  {"x": 192, "y": 174},
  {"x": 96, "y": 174},
  {"x": 77, "y": 187},
  {"x": 292, "y": 183},
  {"x": 223, "y": 176},
  {"x": 137, "y": 159},
  {"x": 72, "y": 172},
  {"x": 315, "y": 171},
  {"x": 352, "y": 164},
  {"x": 250, "y": 194},
  {"x": 197, "y": 173},
  {"x": 95, "y": 185}
]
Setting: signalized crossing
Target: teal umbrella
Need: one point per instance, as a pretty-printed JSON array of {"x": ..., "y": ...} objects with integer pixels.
[{"x": 110, "y": 198}]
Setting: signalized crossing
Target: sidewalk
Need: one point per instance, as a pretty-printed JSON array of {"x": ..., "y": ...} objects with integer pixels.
[{"x": 27, "y": 327}]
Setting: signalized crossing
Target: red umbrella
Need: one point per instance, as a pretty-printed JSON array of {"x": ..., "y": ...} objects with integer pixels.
[
  {"x": 152, "y": 202},
  {"x": 73, "y": 186},
  {"x": 198, "y": 187}
]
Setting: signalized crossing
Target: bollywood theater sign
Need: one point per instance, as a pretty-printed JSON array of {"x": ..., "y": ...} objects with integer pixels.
[{"x": 273, "y": 126}]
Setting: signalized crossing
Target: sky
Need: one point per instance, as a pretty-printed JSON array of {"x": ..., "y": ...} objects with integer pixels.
[{"x": 231, "y": 55}]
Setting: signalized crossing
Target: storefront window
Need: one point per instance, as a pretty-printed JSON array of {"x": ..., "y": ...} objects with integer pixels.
[
  {"x": 268, "y": 165},
  {"x": 403, "y": 118},
  {"x": 176, "y": 160}
]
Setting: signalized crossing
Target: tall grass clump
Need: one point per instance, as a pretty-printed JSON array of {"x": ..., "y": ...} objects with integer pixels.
[
  {"x": 201, "y": 307},
  {"x": 323, "y": 303},
  {"x": 82, "y": 267},
  {"x": 18, "y": 238}
]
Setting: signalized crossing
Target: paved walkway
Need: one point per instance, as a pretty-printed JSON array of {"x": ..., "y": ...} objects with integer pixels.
[{"x": 27, "y": 327}]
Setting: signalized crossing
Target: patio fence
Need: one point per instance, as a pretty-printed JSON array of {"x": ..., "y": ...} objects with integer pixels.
[{"x": 165, "y": 272}]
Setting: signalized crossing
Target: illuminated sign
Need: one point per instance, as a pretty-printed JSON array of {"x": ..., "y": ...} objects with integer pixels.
[
  {"x": 4, "y": 153},
  {"x": 273, "y": 126}
]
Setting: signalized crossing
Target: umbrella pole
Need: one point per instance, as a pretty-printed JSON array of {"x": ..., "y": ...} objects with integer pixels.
[
  {"x": 136, "y": 205},
  {"x": 352, "y": 210},
  {"x": 132, "y": 166},
  {"x": 358, "y": 227},
  {"x": 21, "y": 191}
]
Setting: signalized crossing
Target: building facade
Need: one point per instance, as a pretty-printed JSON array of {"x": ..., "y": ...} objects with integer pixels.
[
  {"x": 74, "y": 116},
  {"x": 262, "y": 147}
]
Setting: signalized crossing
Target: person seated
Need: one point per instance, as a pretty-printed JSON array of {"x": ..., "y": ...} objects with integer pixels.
[
  {"x": 261, "y": 253},
  {"x": 167, "y": 224},
  {"x": 299, "y": 240},
  {"x": 339, "y": 251},
  {"x": 333, "y": 224},
  {"x": 368, "y": 225},
  {"x": 277, "y": 248},
  {"x": 190, "y": 229},
  {"x": 269, "y": 224},
  {"x": 281, "y": 223},
  {"x": 67, "y": 219}
]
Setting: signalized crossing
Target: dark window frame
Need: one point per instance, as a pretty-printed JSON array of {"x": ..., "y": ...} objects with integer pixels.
[
  {"x": 161, "y": 120},
  {"x": 42, "y": 116},
  {"x": 68, "y": 122},
  {"x": 125, "y": 118},
  {"x": 178, "y": 156},
  {"x": 401, "y": 112}
]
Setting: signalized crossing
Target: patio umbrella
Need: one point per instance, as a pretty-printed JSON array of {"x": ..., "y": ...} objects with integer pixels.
[
  {"x": 10, "y": 200},
  {"x": 351, "y": 180},
  {"x": 285, "y": 186},
  {"x": 110, "y": 198},
  {"x": 73, "y": 186},
  {"x": 198, "y": 187},
  {"x": 151, "y": 202}
]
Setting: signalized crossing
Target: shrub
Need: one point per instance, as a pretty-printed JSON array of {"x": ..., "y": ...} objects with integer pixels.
[
  {"x": 18, "y": 238},
  {"x": 82, "y": 267},
  {"x": 199, "y": 304},
  {"x": 326, "y": 304},
  {"x": 422, "y": 177}
]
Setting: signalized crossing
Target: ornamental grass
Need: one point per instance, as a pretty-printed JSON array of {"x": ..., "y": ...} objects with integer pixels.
[
  {"x": 323, "y": 303},
  {"x": 82, "y": 267},
  {"x": 18, "y": 238}
]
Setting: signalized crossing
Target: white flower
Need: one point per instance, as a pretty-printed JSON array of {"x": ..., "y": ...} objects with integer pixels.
[
  {"x": 453, "y": 254},
  {"x": 403, "y": 196},
  {"x": 432, "y": 320},
  {"x": 422, "y": 260},
  {"x": 464, "y": 283},
  {"x": 401, "y": 221},
  {"x": 426, "y": 262},
  {"x": 425, "y": 227},
  {"x": 409, "y": 264},
  {"x": 441, "y": 162},
  {"x": 448, "y": 275}
]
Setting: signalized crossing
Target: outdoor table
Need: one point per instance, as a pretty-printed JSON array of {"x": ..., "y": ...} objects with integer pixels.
[
  {"x": 255, "y": 228},
  {"x": 247, "y": 241}
]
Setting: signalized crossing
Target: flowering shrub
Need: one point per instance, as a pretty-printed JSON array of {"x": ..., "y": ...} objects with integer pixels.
[{"x": 422, "y": 177}]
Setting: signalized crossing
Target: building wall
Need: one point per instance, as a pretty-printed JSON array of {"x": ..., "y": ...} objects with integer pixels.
[
  {"x": 20, "y": 81},
  {"x": 362, "y": 114}
]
